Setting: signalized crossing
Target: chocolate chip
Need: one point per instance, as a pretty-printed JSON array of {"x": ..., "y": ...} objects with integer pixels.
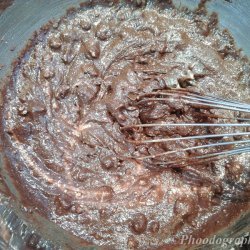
[{"x": 138, "y": 224}]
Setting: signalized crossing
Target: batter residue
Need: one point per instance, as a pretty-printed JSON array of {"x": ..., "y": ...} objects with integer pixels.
[{"x": 74, "y": 89}]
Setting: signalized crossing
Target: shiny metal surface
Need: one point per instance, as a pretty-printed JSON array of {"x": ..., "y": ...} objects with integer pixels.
[
  {"x": 234, "y": 15},
  {"x": 20, "y": 20}
]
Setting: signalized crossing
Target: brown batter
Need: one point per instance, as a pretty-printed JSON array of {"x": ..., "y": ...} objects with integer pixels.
[{"x": 74, "y": 89}]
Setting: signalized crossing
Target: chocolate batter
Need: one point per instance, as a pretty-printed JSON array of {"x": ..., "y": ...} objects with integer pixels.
[{"x": 73, "y": 91}]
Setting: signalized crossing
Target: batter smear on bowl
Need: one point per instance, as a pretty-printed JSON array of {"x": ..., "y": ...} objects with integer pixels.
[{"x": 73, "y": 91}]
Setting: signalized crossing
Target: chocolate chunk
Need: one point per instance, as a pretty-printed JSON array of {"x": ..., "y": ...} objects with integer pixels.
[
  {"x": 138, "y": 224},
  {"x": 63, "y": 204},
  {"x": 109, "y": 162},
  {"x": 85, "y": 24},
  {"x": 154, "y": 227},
  {"x": 91, "y": 49},
  {"x": 55, "y": 43}
]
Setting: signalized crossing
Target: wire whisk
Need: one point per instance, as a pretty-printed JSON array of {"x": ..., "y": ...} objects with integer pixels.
[{"x": 230, "y": 117}]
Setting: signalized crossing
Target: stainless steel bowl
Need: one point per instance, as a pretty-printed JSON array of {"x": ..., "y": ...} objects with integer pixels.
[{"x": 17, "y": 24}]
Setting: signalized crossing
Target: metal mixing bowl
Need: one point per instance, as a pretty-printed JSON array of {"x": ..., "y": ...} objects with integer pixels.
[{"x": 17, "y": 23}]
